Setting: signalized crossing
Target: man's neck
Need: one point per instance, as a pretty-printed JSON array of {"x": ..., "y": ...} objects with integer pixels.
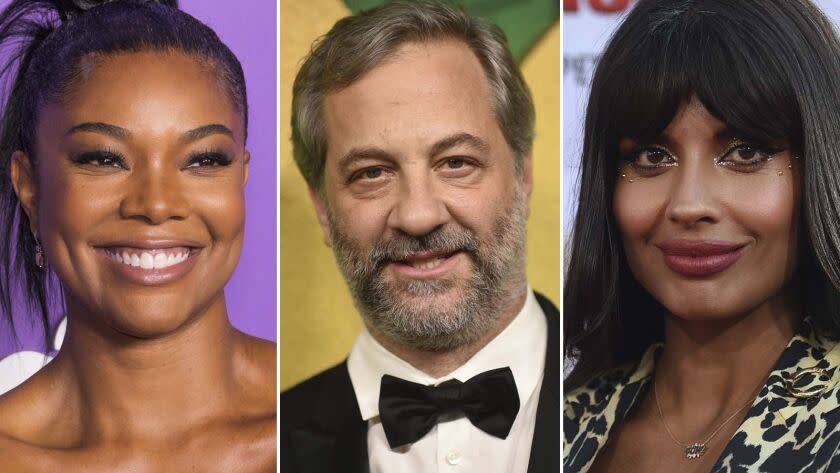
[{"x": 440, "y": 363}]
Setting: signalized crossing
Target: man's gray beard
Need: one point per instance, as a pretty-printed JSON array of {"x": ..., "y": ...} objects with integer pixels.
[{"x": 395, "y": 308}]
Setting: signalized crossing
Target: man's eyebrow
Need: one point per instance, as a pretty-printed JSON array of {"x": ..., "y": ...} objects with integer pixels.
[
  {"x": 462, "y": 138},
  {"x": 374, "y": 153},
  {"x": 99, "y": 127},
  {"x": 360, "y": 154},
  {"x": 207, "y": 130}
]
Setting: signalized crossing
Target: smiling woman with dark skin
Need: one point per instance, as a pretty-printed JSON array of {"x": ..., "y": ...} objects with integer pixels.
[
  {"x": 125, "y": 161},
  {"x": 701, "y": 302}
]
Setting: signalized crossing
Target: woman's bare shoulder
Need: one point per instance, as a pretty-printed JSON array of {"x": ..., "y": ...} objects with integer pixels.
[
  {"x": 256, "y": 371},
  {"x": 15, "y": 453},
  {"x": 38, "y": 412}
]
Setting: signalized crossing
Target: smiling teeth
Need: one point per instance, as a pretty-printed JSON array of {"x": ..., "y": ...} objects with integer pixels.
[
  {"x": 146, "y": 260},
  {"x": 427, "y": 264}
]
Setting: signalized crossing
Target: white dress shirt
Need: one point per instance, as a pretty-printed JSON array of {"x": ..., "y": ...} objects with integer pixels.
[{"x": 454, "y": 444}]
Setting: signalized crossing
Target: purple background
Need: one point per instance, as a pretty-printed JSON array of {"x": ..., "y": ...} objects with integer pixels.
[{"x": 249, "y": 29}]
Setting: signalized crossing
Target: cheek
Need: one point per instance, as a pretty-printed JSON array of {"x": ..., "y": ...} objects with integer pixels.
[
  {"x": 69, "y": 206},
  {"x": 769, "y": 213},
  {"x": 362, "y": 221},
  {"x": 477, "y": 211},
  {"x": 221, "y": 205},
  {"x": 479, "y": 207},
  {"x": 637, "y": 207},
  {"x": 767, "y": 209}
]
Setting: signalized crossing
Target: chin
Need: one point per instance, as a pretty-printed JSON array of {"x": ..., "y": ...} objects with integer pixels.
[
  {"x": 148, "y": 319},
  {"x": 436, "y": 295},
  {"x": 147, "y": 325},
  {"x": 697, "y": 308}
]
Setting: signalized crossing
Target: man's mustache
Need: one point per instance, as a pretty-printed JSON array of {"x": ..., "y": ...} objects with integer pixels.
[{"x": 403, "y": 246}]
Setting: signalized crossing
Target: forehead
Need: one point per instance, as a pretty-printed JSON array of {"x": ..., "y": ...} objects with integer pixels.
[
  {"x": 423, "y": 92},
  {"x": 150, "y": 91},
  {"x": 694, "y": 120}
]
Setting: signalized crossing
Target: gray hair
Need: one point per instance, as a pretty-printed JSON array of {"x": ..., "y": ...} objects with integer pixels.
[{"x": 358, "y": 43}]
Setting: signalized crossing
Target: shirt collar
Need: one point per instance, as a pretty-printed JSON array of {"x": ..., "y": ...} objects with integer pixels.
[{"x": 520, "y": 346}]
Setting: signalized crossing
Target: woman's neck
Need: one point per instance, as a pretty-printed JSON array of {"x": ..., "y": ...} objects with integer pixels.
[
  {"x": 122, "y": 386},
  {"x": 709, "y": 369}
]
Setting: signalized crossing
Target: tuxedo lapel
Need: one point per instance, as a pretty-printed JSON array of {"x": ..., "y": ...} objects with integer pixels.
[
  {"x": 335, "y": 438},
  {"x": 545, "y": 448}
]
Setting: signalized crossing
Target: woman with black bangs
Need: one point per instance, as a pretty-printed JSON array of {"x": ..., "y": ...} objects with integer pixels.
[
  {"x": 702, "y": 311},
  {"x": 123, "y": 166}
]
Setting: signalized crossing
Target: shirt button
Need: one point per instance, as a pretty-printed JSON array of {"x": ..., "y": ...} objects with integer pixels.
[{"x": 453, "y": 458}]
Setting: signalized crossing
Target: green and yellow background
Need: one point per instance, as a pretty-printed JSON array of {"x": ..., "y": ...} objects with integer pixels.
[{"x": 318, "y": 322}]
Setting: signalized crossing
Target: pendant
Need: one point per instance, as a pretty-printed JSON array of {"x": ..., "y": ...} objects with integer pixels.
[{"x": 695, "y": 451}]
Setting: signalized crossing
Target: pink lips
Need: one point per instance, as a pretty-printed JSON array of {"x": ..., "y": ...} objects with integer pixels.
[
  {"x": 699, "y": 258},
  {"x": 150, "y": 262}
]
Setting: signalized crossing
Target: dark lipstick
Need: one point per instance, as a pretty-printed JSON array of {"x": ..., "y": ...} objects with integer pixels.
[{"x": 699, "y": 258}]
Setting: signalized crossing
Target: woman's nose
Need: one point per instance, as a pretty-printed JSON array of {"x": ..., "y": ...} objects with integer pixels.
[
  {"x": 155, "y": 195},
  {"x": 693, "y": 198}
]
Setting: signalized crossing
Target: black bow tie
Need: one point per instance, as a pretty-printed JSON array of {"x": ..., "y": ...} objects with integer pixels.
[{"x": 408, "y": 411}]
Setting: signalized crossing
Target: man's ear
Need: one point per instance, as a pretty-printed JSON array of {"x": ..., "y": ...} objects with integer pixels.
[
  {"x": 25, "y": 184},
  {"x": 321, "y": 211},
  {"x": 527, "y": 181}
]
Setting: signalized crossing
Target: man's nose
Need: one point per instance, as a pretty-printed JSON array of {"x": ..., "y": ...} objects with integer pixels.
[{"x": 420, "y": 208}]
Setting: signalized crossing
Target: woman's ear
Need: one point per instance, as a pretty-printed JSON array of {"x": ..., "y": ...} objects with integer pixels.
[{"x": 25, "y": 183}]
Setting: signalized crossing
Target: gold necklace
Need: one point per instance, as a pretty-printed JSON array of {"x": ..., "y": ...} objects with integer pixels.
[{"x": 697, "y": 449}]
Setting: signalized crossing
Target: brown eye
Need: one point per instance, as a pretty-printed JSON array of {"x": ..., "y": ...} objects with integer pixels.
[
  {"x": 203, "y": 160},
  {"x": 652, "y": 157},
  {"x": 656, "y": 157},
  {"x": 746, "y": 153},
  {"x": 747, "y": 156},
  {"x": 100, "y": 159}
]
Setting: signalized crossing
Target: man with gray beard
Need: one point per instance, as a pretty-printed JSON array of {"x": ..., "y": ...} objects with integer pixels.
[{"x": 413, "y": 127}]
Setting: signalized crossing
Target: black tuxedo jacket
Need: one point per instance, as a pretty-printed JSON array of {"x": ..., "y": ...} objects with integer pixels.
[{"x": 322, "y": 431}]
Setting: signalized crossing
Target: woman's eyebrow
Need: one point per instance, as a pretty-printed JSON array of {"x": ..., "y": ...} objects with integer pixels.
[
  {"x": 99, "y": 127},
  {"x": 207, "y": 130},
  {"x": 122, "y": 133}
]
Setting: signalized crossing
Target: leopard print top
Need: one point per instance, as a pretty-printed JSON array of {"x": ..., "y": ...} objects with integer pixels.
[{"x": 781, "y": 433}]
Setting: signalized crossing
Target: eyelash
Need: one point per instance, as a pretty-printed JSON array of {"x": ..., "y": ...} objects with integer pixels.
[
  {"x": 88, "y": 158},
  {"x": 359, "y": 175},
  {"x": 464, "y": 161},
  {"x": 767, "y": 152},
  {"x": 216, "y": 159}
]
